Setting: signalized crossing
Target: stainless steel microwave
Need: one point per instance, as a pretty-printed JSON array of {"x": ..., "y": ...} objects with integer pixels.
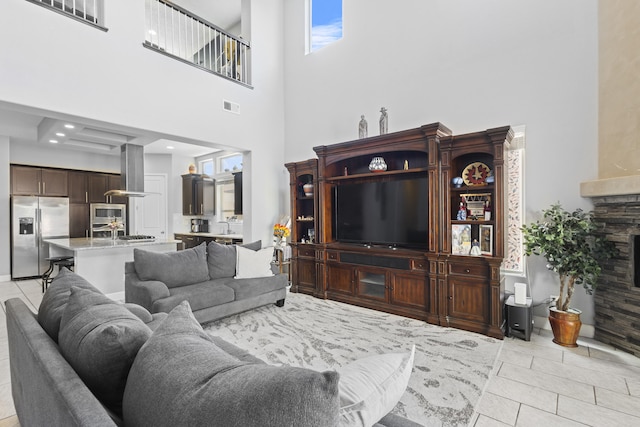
[{"x": 104, "y": 213}]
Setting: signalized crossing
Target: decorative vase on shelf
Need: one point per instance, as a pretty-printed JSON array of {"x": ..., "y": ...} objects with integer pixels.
[
  {"x": 308, "y": 189},
  {"x": 377, "y": 165}
]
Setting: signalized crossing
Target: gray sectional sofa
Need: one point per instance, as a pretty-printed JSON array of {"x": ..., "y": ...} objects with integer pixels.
[
  {"x": 205, "y": 276},
  {"x": 85, "y": 360}
]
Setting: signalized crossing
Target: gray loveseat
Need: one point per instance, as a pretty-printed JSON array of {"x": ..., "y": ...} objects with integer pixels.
[
  {"x": 205, "y": 277},
  {"x": 65, "y": 359}
]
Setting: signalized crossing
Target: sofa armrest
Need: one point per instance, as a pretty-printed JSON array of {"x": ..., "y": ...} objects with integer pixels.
[
  {"x": 45, "y": 389},
  {"x": 142, "y": 292}
]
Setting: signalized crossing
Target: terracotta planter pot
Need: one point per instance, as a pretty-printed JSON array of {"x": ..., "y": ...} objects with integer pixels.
[{"x": 565, "y": 326}]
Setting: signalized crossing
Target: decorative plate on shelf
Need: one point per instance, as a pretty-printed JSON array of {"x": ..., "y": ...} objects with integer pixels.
[{"x": 476, "y": 173}]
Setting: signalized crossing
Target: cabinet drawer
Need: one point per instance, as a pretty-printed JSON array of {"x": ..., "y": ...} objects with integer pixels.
[
  {"x": 469, "y": 269},
  {"x": 333, "y": 256},
  {"x": 307, "y": 252},
  {"x": 419, "y": 264}
]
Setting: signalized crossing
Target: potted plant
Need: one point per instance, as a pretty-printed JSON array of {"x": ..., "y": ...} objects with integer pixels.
[{"x": 573, "y": 249}]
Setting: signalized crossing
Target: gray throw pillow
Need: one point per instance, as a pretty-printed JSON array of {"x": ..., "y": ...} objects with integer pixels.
[
  {"x": 173, "y": 268},
  {"x": 100, "y": 339},
  {"x": 55, "y": 300},
  {"x": 181, "y": 377},
  {"x": 221, "y": 259}
]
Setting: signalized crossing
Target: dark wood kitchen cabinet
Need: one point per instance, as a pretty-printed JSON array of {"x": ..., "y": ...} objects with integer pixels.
[
  {"x": 198, "y": 195},
  {"x": 237, "y": 193},
  {"x": 33, "y": 181},
  {"x": 100, "y": 183}
]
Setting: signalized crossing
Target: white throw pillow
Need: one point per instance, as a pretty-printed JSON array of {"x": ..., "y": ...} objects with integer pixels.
[
  {"x": 371, "y": 387},
  {"x": 250, "y": 263}
]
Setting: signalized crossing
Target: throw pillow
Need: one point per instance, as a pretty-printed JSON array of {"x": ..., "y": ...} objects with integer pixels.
[
  {"x": 55, "y": 300},
  {"x": 252, "y": 264},
  {"x": 221, "y": 259},
  {"x": 181, "y": 377},
  {"x": 371, "y": 387},
  {"x": 173, "y": 268},
  {"x": 100, "y": 339}
]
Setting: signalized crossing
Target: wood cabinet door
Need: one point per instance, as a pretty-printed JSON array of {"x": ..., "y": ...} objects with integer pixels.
[
  {"x": 97, "y": 184},
  {"x": 77, "y": 185},
  {"x": 187, "y": 195},
  {"x": 468, "y": 299},
  {"x": 79, "y": 220},
  {"x": 25, "y": 181},
  {"x": 237, "y": 193},
  {"x": 54, "y": 182},
  {"x": 306, "y": 274},
  {"x": 410, "y": 290},
  {"x": 340, "y": 279}
]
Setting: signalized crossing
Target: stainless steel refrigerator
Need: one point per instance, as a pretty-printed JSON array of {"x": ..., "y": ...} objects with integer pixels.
[{"x": 34, "y": 219}]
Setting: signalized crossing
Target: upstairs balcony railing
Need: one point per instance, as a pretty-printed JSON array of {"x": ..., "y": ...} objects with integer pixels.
[
  {"x": 88, "y": 11},
  {"x": 175, "y": 32}
]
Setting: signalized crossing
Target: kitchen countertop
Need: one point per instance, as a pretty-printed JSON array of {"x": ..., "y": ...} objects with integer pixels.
[
  {"x": 89, "y": 243},
  {"x": 214, "y": 235}
]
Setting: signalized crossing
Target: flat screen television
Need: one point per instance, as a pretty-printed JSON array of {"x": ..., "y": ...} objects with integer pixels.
[{"x": 392, "y": 213}]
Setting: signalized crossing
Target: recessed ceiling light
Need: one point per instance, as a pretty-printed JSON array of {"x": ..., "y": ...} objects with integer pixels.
[
  {"x": 170, "y": 147},
  {"x": 53, "y": 141},
  {"x": 60, "y": 134},
  {"x": 69, "y": 126}
]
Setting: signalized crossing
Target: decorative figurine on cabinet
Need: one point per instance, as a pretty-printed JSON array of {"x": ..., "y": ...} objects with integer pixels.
[
  {"x": 475, "y": 248},
  {"x": 363, "y": 128},
  {"x": 384, "y": 121},
  {"x": 487, "y": 210},
  {"x": 462, "y": 211}
]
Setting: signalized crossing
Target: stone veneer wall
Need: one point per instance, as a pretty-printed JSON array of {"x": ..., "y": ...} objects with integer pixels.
[{"x": 617, "y": 299}]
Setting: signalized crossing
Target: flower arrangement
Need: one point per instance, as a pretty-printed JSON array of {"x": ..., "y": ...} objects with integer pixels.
[
  {"x": 115, "y": 225},
  {"x": 281, "y": 231}
]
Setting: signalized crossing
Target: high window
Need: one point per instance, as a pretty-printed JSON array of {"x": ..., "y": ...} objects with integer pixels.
[{"x": 324, "y": 23}]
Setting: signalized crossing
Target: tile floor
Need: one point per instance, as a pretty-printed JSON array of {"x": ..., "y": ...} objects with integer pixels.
[{"x": 535, "y": 383}]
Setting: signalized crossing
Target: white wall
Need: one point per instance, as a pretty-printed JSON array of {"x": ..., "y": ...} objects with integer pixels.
[
  {"x": 5, "y": 242},
  {"x": 59, "y": 65},
  {"x": 469, "y": 64}
]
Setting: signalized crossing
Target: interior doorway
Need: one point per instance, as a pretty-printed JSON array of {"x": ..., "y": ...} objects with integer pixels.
[{"x": 150, "y": 212}]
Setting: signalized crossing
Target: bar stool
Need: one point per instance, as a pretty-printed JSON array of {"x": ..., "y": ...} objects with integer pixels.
[{"x": 61, "y": 262}]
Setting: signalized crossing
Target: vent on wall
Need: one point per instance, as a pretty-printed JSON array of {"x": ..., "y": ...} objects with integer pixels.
[{"x": 232, "y": 107}]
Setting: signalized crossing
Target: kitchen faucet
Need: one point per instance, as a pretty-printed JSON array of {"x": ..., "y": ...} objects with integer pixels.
[{"x": 228, "y": 226}]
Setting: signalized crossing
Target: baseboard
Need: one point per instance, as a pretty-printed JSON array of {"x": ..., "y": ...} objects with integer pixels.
[
  {"x": 587, "y": 331},
  {"x": 6, "y": 278}
]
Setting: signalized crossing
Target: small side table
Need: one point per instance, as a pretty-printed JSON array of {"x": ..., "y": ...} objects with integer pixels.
[
  {"x": 519, "y": 318},
  {"x": 282, "y": 263}
]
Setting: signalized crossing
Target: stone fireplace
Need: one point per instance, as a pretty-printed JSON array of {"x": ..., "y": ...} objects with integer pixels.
[
  {"x": 617, "y": 297},
  {"x": 616, "y": 192}
]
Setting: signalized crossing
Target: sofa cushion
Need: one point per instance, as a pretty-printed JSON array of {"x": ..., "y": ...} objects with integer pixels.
[
  {"x": 372, "y": 386},
  {"x": 251, "y": 264},
  {"x": 173, "y": 268},
  {"x": 221, "y": 259},
  {"x": 100, "y": 339},
  {"x": 181, "y": 377},
  {"x": 204, "y": 295},
  {"x": 55, "y": 300},
  {"x": 247, "y": 288}
]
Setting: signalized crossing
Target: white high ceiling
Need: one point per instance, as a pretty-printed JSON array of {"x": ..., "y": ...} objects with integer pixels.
[{"x": 31, "y": 126}]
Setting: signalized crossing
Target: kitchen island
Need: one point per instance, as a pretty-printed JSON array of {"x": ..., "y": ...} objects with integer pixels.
[{"x": 101, "y": 261}]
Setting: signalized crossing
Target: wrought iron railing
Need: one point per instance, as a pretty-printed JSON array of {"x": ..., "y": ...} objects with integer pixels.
[
  {"x": 87, "y": 11},
  {"x": 176, "y": 32}
]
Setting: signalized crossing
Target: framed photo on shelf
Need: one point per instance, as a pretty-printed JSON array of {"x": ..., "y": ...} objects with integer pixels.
[
  {"x": 486, "y": 239},
  {"x": 460, "y": 239}
]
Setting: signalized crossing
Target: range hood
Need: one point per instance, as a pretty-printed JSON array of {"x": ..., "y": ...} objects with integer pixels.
[{"x": 132, "y": 172}]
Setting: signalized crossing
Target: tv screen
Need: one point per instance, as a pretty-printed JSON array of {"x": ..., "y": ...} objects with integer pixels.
[{"x": 383, "y": 213}]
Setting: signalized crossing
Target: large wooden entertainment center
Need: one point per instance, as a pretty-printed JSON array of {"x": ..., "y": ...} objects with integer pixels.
[{"x": 440, "y": 283}]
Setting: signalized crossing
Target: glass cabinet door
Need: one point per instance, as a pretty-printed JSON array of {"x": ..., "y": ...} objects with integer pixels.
[{"x": 372, "y": 284}]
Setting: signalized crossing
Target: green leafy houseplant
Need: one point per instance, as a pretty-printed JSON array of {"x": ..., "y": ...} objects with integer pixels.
[{"x": 572, "y": 247}]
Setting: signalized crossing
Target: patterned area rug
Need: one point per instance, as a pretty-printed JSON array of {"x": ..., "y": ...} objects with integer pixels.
[{"x": 450, "y": 370}]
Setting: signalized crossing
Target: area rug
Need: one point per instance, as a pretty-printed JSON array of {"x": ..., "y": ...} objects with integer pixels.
[{"x": 450, "y": 370}]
